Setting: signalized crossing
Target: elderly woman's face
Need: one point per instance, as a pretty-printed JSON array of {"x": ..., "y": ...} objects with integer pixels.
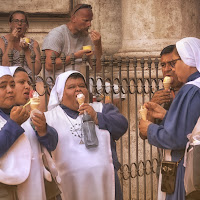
[
  {"x": 73, "y": 87},
  {"x": 7, "y": 92},
  {"x": 19, "y": 23},
  {"x": 181, "y": 69}
]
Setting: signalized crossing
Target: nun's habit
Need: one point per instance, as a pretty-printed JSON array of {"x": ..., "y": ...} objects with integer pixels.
[
  {"x": 85, "y": 173},
  {"x": 181, "y": 117},
  {"x": 15, "y": 162}
]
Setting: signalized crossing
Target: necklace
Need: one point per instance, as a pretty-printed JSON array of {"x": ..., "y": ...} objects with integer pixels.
[{"x": 75, "y": 129}]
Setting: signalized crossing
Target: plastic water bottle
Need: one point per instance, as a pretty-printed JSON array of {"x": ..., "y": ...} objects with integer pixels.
[{"x": 88, "y": 128}]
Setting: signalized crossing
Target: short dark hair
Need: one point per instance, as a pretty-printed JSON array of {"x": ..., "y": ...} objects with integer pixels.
[
  {"x": 19, "y": 69},
  {"x": 77, "y": 75},
  {"x": 20, "y": 12},
  {"x": 168, "y": 49}
]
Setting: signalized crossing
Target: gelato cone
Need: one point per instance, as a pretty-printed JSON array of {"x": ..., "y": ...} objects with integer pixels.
[
  {"x": 81, "y": 99},
  {"x": 143, "y": 112},
  {"x": 35, "y": 101},
  {"x": 167, "y": 82}
]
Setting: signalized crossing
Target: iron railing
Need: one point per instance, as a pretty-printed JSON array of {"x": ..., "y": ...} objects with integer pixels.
[{"x": 134, "y": 79}]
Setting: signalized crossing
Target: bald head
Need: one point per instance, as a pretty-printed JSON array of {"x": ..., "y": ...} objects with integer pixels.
[
  {"x": 81, "y": 18},
  {"x": 76, "y": 10}
]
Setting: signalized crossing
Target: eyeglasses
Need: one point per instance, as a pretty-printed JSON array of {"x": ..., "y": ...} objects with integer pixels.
[
  {"x": 173, "y": 62},
  {"x": 17, "y": 21},
  {"x": 83, "y": 6}
]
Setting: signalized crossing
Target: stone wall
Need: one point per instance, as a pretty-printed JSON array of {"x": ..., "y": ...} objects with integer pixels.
[
  {"x": 149, "y": 26},
  {"x": 36, "y": 6},
  {"x": 128, "y": 28},
  {"x": 43, "y": 15}
]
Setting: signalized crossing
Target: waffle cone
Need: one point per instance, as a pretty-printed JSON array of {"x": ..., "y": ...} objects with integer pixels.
[
  {"x": 167, "y": 86},
  {"x": 35, "y": 103},
  {"x": 81, "y": 99},
  {"x": 143, "y": 113}
]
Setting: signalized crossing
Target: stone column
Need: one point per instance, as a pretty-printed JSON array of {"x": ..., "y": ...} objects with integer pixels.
[{"x": 149, "y": 26}]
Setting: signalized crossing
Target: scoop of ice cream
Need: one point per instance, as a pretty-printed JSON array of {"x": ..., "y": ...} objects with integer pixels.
[
  {"x": 143, "y": 112},
  {"x": 167, "y": 82},
  {"x": 80, "y": 98},
  {"x": 167, "y": 79},
  {"x": 35, "y": 101}
]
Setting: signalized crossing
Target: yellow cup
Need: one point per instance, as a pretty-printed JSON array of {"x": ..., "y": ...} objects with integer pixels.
[
  {"x": 88, "y": 47},
  {"x": 27, "y": 40}
]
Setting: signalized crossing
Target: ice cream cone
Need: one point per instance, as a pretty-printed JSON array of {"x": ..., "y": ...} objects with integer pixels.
[
  {"x": 166, "y": 86},
  {"x": 81, "y": 99},
  {"x": 35, "y": 101},
  {"x": 143, "y": 112},
  {"x": 167, "y": 82}
]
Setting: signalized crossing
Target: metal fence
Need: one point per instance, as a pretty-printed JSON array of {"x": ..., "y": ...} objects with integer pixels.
[{"x": 132, "y": 81}]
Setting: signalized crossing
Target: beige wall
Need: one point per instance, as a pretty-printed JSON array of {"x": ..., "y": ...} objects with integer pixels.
[
  {"x": 43, "y": 15},
  {"x": 128, "y": 28},
  {"x": 148, "y": 26},
  {"x": 32, "y": 6}
]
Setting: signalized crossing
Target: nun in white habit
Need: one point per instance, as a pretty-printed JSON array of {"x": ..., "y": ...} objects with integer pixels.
[
  {"x": 85, "y": 173},
  {"x": 182, "y": 116},
  {"x": 33, "y": 188},
  {"x": 15, "y": 151}
]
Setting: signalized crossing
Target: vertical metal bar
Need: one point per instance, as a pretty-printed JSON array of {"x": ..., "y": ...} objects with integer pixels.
[
  {"x": 72, "y": 61},
  {"x": 84, "y": 65},
  {"x": 150, "y": 92},
  {"x": 144, "y": 144},
  {"x": 43, "y": 59},
  {"x": 156, "y": 62},
  {"x": 156, "y": 67},
  {"x": 103, "y": 76},
  {"x": 127, "y": 61},
  {"x": 53, "y": 62},
  {"x": 33, "y": 56},
  {"x": 136, "y": 124},
  {"x": 111, "y": 84},
  {"x": 119, "y": 65},
  {"x": 1, "y": 55},
  {"x": 63, "y": 59},
  {"x": 95, "y": 72}
]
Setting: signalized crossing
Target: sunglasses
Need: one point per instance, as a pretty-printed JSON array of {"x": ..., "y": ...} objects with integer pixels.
[{"x": 83, "y": 6}]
